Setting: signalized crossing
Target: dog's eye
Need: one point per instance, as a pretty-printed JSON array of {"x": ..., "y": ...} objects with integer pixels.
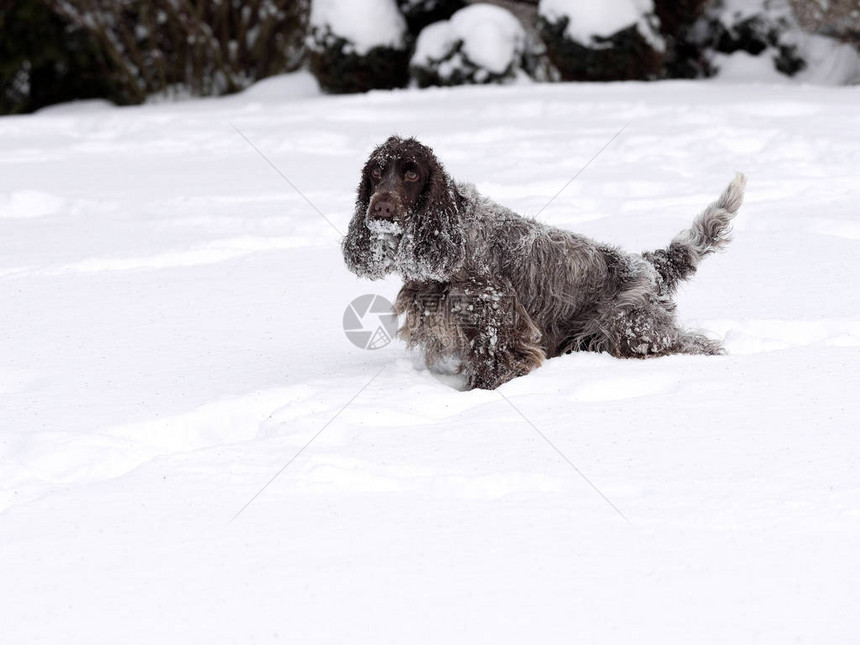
[
  {"x": 411, "y": 175},
  {"x": 376, "y": 173}
]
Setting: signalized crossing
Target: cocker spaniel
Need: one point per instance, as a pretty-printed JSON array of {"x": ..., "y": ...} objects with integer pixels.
[{"x": 493, "y": 294}]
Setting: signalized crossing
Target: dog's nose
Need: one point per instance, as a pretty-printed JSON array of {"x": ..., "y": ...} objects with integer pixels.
[{"x": 384, "y": 210}]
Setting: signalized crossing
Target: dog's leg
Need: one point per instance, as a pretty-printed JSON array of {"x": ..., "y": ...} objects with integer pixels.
[
  {"x": 650, "y": 330},
  {"x": 503, "y": 340},
  {"x": 692, "y": 343},
  {"x": 478, "y": 322},
  {"x": 427, "y": 324}
]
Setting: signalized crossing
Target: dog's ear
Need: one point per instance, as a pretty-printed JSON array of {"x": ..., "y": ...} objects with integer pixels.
[
  {"x": 358, "y": 247},
  {"x": 435, "y": 243},
  {"x": 362, "y": 196}
]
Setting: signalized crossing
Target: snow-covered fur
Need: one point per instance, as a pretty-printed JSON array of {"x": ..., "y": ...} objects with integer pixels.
[{"x": 498, "y": 293}]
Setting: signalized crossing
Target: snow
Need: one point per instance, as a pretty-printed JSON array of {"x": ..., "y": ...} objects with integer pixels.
[
  {"x": 588, "y": 19},
  {"x": 173, "y": 358},
  {"x": 434, "y": 42},
  {"x": 742, "y": 66},
  {"x": 366, "y": 24},
  {"x": 828, "y": 62},
  {"x": 28, "y": 203},
  {"x": 492, "y": 37}
]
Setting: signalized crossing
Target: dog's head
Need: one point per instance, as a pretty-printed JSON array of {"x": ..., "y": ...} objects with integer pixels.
[{"x": 407, "y": 215}]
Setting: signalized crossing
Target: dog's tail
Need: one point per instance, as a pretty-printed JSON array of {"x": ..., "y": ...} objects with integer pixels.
[{"x": 709, "y": 232}]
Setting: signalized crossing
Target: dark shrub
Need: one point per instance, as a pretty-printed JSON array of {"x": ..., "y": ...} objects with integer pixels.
[
  {"x": 686, "y": 54},
  {"x": 420, "y": 13},
  {"x": 45, "y": 60},
  {"x": 339, "y": 69},
  {"x": 203, "y": 47},
  {"x": 634, "y": 52}
]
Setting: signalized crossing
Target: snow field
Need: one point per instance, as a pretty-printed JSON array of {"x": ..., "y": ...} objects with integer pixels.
[{"x": 171, "y": 339}]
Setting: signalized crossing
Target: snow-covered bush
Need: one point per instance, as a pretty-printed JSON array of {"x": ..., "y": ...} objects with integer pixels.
[
  {"x": 771, "y": 30},
  {"x": 420, "y": 13},
  {"x": 756, "y": 27},
  {"x": 602, "y": 40},
  {"x": 481, "y": 43},
  {"x": 358, "y": 46}
]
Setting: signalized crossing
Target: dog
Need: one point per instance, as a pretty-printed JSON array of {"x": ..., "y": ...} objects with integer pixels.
[{"x": 493, "y": 294}]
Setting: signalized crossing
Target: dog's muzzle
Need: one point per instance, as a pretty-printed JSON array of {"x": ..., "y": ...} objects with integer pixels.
[{"x": 385, "y": 206}]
